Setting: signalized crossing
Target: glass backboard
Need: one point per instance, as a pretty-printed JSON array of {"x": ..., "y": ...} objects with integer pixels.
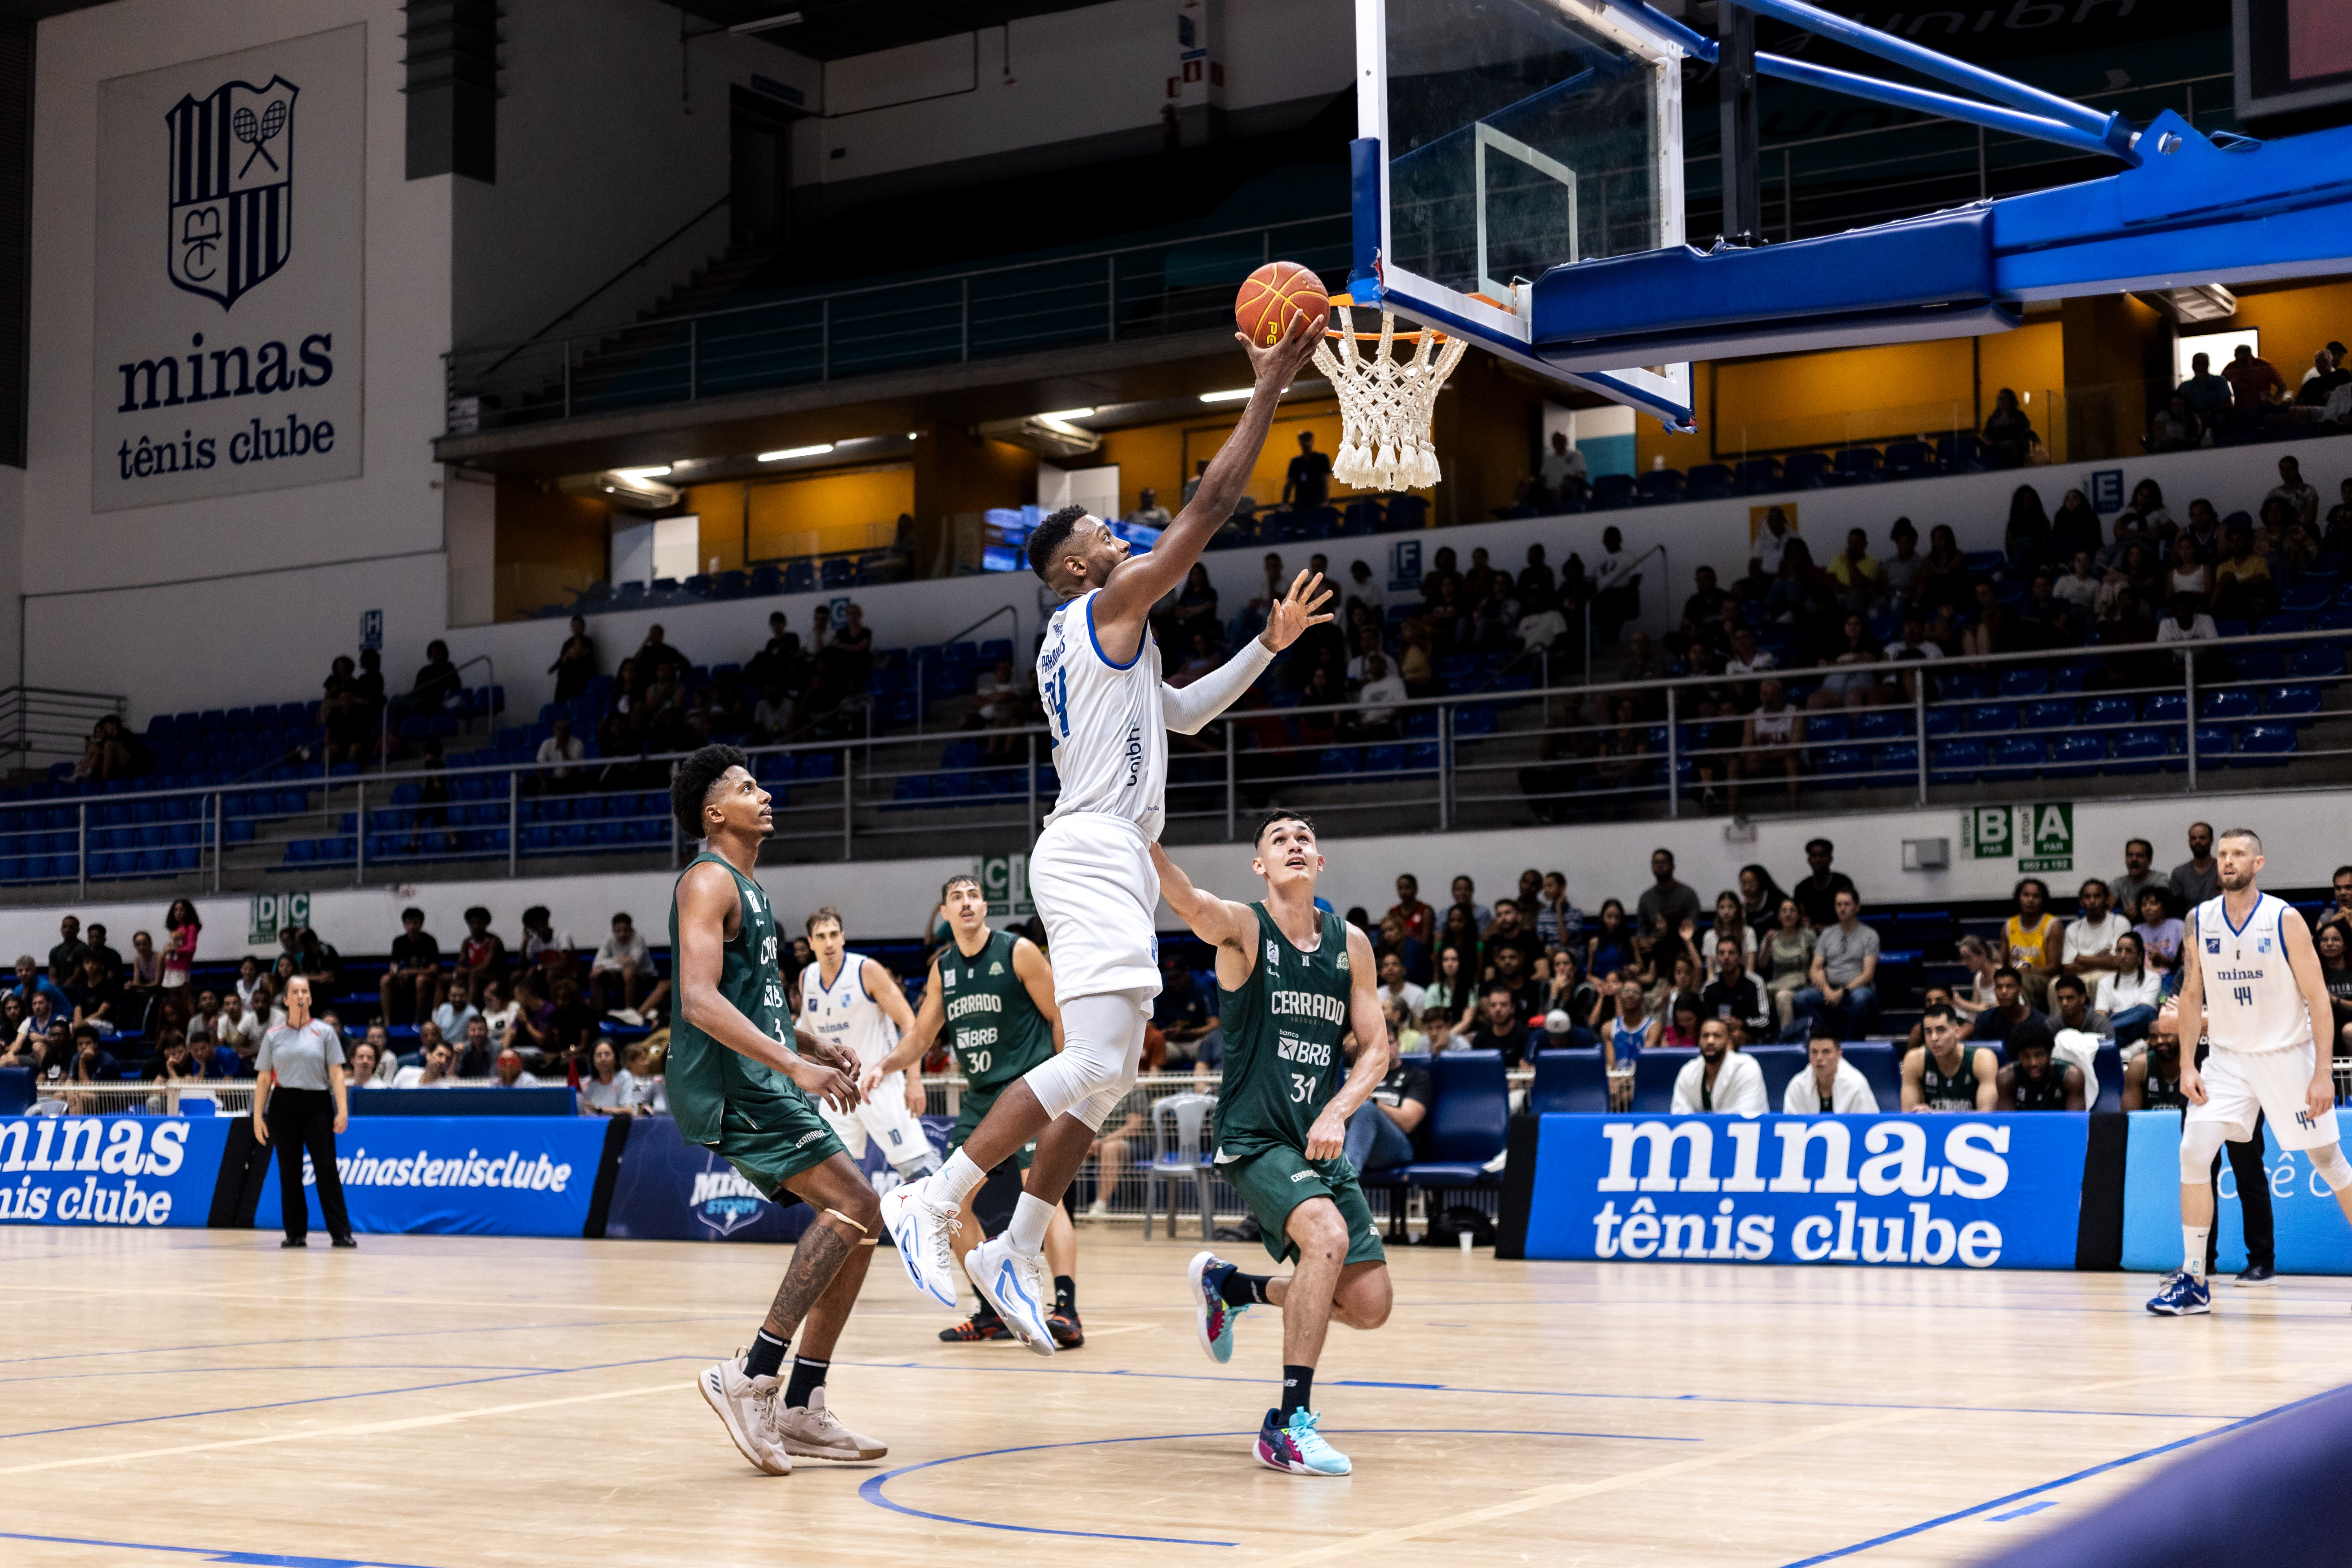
[{"x": 1516, "y": 136}]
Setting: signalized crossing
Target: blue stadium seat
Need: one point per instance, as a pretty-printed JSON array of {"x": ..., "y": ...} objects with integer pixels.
[
  {"x": 1991, "y": 718},
  {"x": 1859, "y": 465},
  {"x": 2312, "y": 662},
  {"x": 1878, "y": 724},
  {"x": 2165, "y": 708},
  {"x": 1839, "y": 767},
  {"x": 2234, "y": 703},
  {"x": 1654, "y": 1081},
  {"x": 1806, "y": 471},
  {"x": 1660, "y": 486},
  {"x": 1909, "y": 460},
  {"x": 2016, "y": 756},
  {"x": 1759, "y": 476},
  {"x": 1780, "y": 1064},
  {"x": 1612, "y": 491},
  {"x": 1894, "y": 763},
  {"x": 1710, "y": 481},
  {"x": 1467, "y": 1121},
  {"x": 1569, "y": 1082},
  {"x": 2050, "y": 713},
  {"x": 2075, "y": 756},
  {"x": 2107, "y": 710},
  {"x": 2291, "y": 699},
  {"x": 2264, "y": 746},
  {"x": 1955, "y": 761}
]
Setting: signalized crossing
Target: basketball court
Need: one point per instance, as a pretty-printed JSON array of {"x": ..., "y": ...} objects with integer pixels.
[{"x": 439, "y": 1400}]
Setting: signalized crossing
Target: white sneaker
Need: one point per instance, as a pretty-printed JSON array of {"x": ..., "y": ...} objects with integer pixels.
[
  {"x": 812, "y": 1432},
  {"x": 1016, "y": 1285},
  {"x": 1098, "y": 1209},
  {"x": 920, "y": 1229},
  {"x": 748, "y": 1406}
]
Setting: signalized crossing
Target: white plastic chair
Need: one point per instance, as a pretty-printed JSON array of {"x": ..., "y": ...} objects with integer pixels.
[{"x": 1182, "y": 1138}]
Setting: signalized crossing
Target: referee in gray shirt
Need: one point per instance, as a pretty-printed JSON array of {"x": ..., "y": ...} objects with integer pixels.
[{"x": 299, "y": 1104}]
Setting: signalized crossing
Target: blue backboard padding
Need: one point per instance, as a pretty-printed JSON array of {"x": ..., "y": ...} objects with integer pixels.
[{"x": 1943, "y": 259}]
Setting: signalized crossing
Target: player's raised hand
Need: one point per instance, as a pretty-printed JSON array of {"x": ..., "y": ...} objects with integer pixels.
[
  {"x": 1278, "y": 362},
  {"x": 1287, "y": 618}
]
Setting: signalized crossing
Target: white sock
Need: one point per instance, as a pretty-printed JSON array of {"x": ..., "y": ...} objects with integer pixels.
[
  {"x": 2193, "y": 1248},
  {"x": 955, "y": 1181},
  {"x": 1031, "y": 1215}
]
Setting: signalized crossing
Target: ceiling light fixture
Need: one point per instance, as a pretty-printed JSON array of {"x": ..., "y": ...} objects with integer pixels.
[
  {"x": 1068, "y": 413},
  {"x": 783, "y": 19},
  {"x": 779, "y": 456},
  {"x": 639, "y": 476},
  {"x": 1235, "y": 396}
]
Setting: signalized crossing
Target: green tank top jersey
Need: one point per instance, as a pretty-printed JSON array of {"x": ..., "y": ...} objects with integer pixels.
[
  {"x": 701, "y": 1074},
  {"x": 993, "y": 1025},
  {"x": 1282, "y": 1031}
]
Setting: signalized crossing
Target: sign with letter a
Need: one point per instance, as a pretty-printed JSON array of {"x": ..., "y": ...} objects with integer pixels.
[{"x": 227, "y": 357}]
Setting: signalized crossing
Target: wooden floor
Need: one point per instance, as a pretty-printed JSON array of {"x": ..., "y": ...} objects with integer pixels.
[{"x": 445, "y": 1401}]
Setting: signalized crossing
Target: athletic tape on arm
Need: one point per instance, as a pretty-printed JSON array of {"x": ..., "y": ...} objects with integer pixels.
[{"x": 1188, "y": 707}]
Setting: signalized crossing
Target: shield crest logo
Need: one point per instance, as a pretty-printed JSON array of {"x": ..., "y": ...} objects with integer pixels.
[{"x": 231, "y": 179}]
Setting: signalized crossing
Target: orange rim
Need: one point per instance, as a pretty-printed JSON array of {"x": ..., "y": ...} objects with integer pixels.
[{"x": 1412, "y": 337}]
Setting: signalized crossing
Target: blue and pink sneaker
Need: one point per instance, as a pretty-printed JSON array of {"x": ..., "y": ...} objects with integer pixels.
[
  {"x": 1212, "y": 1316},
  {"x": 1296, "y": 1448}
]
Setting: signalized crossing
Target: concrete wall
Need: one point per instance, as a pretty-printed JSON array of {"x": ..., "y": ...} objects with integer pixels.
[
  {"x": 612, "y": 134},
  {"x": 893, "y": 897},
  {"x": 182, "y": 602}
]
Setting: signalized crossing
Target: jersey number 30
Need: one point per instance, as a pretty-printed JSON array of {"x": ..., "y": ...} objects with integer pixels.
[{"x": 1057, "y": 692}]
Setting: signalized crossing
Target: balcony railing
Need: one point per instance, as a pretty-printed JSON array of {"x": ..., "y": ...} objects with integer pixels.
[{"x": 1503, "y": 750}]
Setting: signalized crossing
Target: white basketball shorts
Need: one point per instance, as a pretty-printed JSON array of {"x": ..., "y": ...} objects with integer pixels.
[
  {"x": 886, "y": 1117},
  {"x": 2240, "y": 1083},
  {"x": 1091, "y": 875}
]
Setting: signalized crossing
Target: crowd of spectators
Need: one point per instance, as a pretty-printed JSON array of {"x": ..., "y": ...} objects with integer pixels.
[
  {"x": 1763, "y": 963},
  {"x": 484, "y": 1010}
]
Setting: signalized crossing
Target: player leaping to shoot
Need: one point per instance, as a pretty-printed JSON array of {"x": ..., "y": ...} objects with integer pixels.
[
  {"x": 736, "y": 1086},
  {"x": 1294, "y": 982},
  {"x": 1099, "y": 674},
  {"x": 992, "y": 993},
  {"x": 2251, "y": 979}
]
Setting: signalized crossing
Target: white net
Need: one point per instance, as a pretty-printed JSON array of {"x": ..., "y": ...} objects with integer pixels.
[{"x": 1386, "y": 404}]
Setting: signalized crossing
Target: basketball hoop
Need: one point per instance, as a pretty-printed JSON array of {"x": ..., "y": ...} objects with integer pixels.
[{"x": 1386, "y": 403}]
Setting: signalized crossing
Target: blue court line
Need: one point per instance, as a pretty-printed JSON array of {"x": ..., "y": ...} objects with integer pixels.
[
  {"x": 383, "y": 1334},
  {"x": 334, "y": 1398},
  {"x": 2062, "y": 1481},
  {"x": 871, "y": 1489},
  {"x": 212, "y": 1555},
  {"x": 1031, "y": 1371},
  {"x": 2021, "y": 1512}
]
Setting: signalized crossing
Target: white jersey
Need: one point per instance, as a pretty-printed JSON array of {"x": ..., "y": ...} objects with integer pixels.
[
  {"x": 843, "y": 1014},
  {"x": 1111, "y": 734},
  {"x": 2252, "y": 1002}
]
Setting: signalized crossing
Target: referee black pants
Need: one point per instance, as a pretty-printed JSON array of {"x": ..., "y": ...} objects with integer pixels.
[
  {"x": 2253, "y": 1200},
  {"x": 303, "y": 1121}
]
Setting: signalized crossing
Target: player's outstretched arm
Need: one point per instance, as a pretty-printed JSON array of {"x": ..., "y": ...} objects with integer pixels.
[
  {"x": 1037, "y": 977},
  {"x": 1374, "y": 1056},
  {"x": 915, "y": 1035},
  {"x": 1214, "y": 920},
  {"x": 705, "y": 894},
  {"x": 1186, "y": 709},
  {"x": 1138, "y": 583}
]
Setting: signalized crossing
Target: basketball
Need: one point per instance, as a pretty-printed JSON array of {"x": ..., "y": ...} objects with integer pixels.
[{"x": 1274, "y": 295}]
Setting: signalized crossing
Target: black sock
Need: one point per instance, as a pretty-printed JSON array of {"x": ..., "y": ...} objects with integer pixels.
[
  {"x": 1065, "y": 1295},
  {"x": 984, "y": 1313},
  {"x": 1298, "y": 1389},
  {"x": 1242, "y": 1289},
  {"x": 807, "y": 1377},
  {"x": 767, "y": 1354}
]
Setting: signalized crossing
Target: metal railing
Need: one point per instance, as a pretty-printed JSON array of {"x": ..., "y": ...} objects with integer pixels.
[
  {"x": 1504, "y": 750},
  {"x": 51, "y": 720},
  {"x": 1096, "y": 296}
]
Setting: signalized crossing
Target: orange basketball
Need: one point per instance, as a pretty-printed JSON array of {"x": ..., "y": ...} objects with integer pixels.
[{"x": 1276, "y": 294}]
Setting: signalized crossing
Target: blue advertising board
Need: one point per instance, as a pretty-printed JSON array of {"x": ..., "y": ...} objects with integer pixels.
[
  {"x": 2308, "y": 1226},
  {"x": 1973, "y": 1192},
  {"x": 110, "y": 1170},
  {"x": 467, "y": 1175},
  {"x": 670, "y": 1190}
]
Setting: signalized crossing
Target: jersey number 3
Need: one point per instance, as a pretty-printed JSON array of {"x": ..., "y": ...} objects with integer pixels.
[{"x": 1057, "y": 692}]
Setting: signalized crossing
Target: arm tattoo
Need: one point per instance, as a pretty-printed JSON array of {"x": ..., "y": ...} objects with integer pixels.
[{"x": 816, "y": 1258}]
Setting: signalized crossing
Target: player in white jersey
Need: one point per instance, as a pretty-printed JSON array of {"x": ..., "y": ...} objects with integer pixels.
[
  {"x": 854, "y": 1004},
  {"x": 1098, "y": 677},
  {"x": 2251, "y": 980}
]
